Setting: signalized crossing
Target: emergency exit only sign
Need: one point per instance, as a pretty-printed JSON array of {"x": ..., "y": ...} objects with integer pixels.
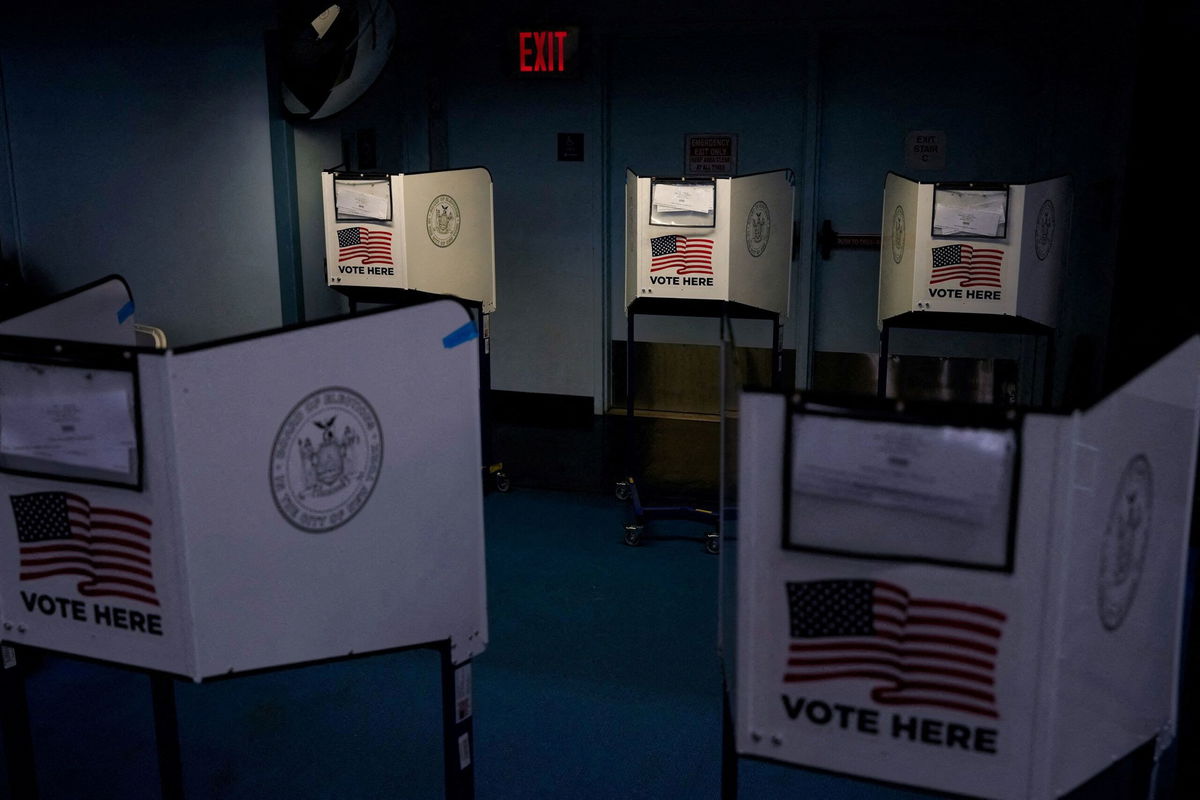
[{"x": 710, "y": 155}]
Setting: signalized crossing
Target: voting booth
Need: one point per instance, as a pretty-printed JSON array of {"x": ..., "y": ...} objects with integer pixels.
[
  {"x": 428, "y": 232},
  {"x": 724, "y": 239},
  {"x": 978, "y": 248},
  {"x": 702, "y": 247},
  {"x": 399, "y": 239},
  {"x": 963, "y": 600},
  {"x": 248, "y": 504}
]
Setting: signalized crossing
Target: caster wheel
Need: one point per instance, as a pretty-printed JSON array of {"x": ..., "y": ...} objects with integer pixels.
[
  {"x": 712, "y": 543},
  {"x": 633, "y": 535},
  {"x": 502, "y": 482},
  {"x": 623, "y": 492}
]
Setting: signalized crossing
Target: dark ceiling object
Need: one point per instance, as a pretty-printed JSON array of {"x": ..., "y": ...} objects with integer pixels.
[{"x": 332, "y": 52}]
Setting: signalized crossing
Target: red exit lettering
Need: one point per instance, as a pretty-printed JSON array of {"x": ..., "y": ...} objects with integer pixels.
[{"x": 541, "y": 51}]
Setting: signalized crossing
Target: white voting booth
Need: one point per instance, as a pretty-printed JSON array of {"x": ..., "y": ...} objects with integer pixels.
[
  {"x": 303, "y": 494},
  {"x": 242, "y": 505},
  {"x": 702, "y": 247},
  {"x": 102, "y": 312},
  {"x": 981, "y": 605},
  {"x": 973, "y": 247},
  {"x": 724, "y": 239},
  {"x": 429, "y": 232},
  {"x": 403, "y": 238}
]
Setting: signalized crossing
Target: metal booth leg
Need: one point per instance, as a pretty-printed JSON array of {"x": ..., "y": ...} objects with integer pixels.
[
  {"x": 1048, "y": 373},
  {"x": 777, "y": 350},
  {"x": 493, "y": 469},
  {"x": 458, "y": 726},
  {"x": 18, "y": 742},
  {"x": 625, "y": 485},
  {"x": 166, "y": 736},
  {"x": 729, "y": 756},
  {"x": 630, "y": 350},
  {"x": 881, "y": 380}
]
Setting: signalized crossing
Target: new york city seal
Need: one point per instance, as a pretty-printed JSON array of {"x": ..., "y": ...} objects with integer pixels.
[
  {"x": 1043, "y": 232},
  {"x": 758, "y": 228},
  {"x": 326, "y": 459},
  {"x": 1125, "y": 540},
  {"x": 443, "y": 220}
]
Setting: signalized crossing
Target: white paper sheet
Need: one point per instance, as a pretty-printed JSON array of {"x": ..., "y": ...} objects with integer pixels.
[
  {"x": 956, "y": 473},
  {"x": 670, "y": 197},
  {"x": 971, "y": 213},
  {"x": 72, "y": 416},
  {"x": 363, "y": 200}
]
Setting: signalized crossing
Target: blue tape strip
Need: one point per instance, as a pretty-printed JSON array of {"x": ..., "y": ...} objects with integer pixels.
[
  {"x": 125, "y": 312},
  {"x": 461, "y": 336}
]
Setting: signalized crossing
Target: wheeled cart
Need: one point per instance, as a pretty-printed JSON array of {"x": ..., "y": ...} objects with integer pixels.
[
  {"x": 628, "y": 488},
  {"x": 301, "y": 495}
]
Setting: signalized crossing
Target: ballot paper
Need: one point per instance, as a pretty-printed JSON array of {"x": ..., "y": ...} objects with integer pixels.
[
  {"x": 358, "y": 199},
  {"x": 938, "y": 471},
  {"x": 70, "y": 416},
  {"x": 683, "y": 197},
  {"x": 970, "y": 212},
  {"x": 683, "y": 204}
]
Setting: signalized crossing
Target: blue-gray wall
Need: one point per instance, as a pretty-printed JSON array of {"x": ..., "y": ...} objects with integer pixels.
[
  {"x": 139, "y": 145},
  {"x": 144, "y": 149},
  {"x": 548, "y": 222}
]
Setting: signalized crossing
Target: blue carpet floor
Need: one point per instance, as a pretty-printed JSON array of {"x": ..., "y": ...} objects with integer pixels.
[{"x": 601, "y": 680}]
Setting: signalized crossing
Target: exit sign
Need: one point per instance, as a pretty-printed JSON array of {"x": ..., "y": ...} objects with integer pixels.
[{"x": 547, "y": 51}]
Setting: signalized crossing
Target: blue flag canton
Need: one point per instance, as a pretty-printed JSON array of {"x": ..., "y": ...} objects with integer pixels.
[
  {"x": 662, "y": 246},
  {"x": 947, "y": 255},
  {"x": 831, "y": 608},
  {"x": 348, "y": 237},
  {"x": 41, "y": 516}
]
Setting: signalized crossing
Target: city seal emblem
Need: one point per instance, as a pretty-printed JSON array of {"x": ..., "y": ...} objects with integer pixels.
[
  {"x": 758, "y": 228},
  {"x": 1125, "y": 539},
  {"x": 443, "y": 220},
  {"x": 326, "y": 459},
  {"x": 898, "y": 234},
  {"x": 1043, "y": 231}
]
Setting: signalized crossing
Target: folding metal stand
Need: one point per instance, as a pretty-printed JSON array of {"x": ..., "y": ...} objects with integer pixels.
[
  {"x": 972, "y": 323},
  {"x": 493, "y": 470},
  {"x": 457, "y": 727},
  {"x": 18, "y": 742},
  {"x": 628, "y": 488}
]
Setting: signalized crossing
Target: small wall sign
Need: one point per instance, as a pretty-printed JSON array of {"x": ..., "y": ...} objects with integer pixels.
[
  {"x": 925, "y": 150},
  {"x": 570, "y": 147},
  {"x": 708, "y": 155}
]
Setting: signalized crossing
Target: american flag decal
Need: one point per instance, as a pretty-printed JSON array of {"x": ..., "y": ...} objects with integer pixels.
[
  {"x": 364, "y": 246},
  {"x": 970, "y": 266},
  {"x": 686, "y": 255},
  {"x": 63, "y": 534},
  {"x": 917, "y": 651}
]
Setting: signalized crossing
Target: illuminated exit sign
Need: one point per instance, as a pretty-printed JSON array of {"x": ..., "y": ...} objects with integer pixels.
[{"x": 552, "y": 51}]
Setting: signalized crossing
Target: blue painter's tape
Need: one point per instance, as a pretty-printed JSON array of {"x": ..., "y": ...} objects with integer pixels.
[
  {"x": 125, "y": 312},
  {"x": 461, "y": 336}
]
